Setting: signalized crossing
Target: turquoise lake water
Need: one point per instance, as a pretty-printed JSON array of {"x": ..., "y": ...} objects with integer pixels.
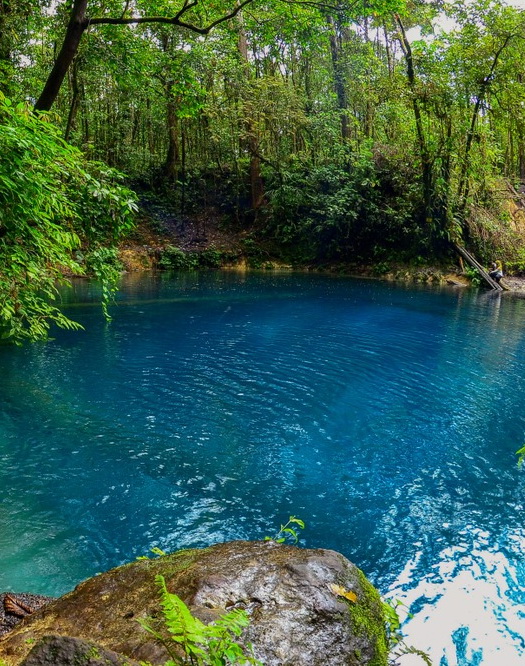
[{"x": 215, "y": 405}]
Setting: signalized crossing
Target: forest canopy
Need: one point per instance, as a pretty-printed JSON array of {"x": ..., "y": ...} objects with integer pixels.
[{"x": 334, "y": 129}]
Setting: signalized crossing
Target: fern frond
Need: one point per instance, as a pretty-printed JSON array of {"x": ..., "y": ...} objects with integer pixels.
[
  {"x": 203, "y": 645},
  {"x": 233, "y": 622},
  {"x": 403, "y": 649},
  {"x": 183, "y": 628},
  {"x": 145, "y": 624}
]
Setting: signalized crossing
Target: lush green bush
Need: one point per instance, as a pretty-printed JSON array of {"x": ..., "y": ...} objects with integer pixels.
[
  {"x": 59, "y": 214},
  {"x": 352, "y": 208},
  {"x": 210, "y": 258},
  {"x": 176, "y": 259}
]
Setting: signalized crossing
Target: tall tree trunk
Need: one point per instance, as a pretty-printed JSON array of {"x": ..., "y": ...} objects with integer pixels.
[
  {"x": 86, "y": 127},
  {"x": 443, "y": 206},
  {"x": 339, "y": 78},
  {"x": 75, "y": 29},
  {"x": 183, "y": 171},
  {"x": 389, "y": 57},
  {"x": 424, "y": 153},
  {"x": 463, "y": 183},
  {"x": 75, "y": 98},
  {"x": 521, "y": 157},
  {"x": 172, "y": 161},
  {"x": 251, "y": 141}
]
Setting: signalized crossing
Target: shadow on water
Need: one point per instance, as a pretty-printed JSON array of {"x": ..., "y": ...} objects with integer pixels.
[{"x": 215, "y": 405}]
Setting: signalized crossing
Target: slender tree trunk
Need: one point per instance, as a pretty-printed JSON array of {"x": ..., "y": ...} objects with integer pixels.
[
  {"x": 251, "y": 141},
  {"x": 521, "y": 157},
  {"x": 171, "y": 165},
  {"x": 183, "y": 171},
  {"x": 86, "y": 128},
  {"x": 463, "y": 183},
  {"x": 75, "y": 98},
  {"x": 388, "y": 50},
  {"x": 424, "y": 153},
  {"x": 520, "y": 146},
  {"x": 339, "y": 79},
  {"x": 444, "y": 211},
  {"x": 172, "y": 161}
]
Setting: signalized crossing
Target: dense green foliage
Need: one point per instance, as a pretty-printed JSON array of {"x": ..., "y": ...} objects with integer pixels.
[
  {"x": 350, "y": 207},
  {"x": 58, "y": 214},
  {"x": 337, "y": 132},
  {"x": 341, "y": 126}
]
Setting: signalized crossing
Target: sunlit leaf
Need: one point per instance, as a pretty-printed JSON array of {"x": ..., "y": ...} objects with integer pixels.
[{"x": 341, "y": 591}]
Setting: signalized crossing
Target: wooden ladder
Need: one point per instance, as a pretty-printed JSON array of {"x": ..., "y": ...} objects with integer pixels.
[{"x": 479, "y": 268}]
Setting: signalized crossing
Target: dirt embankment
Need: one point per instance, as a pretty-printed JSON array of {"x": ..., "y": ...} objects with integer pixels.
[{"x": 161, "y": 226}]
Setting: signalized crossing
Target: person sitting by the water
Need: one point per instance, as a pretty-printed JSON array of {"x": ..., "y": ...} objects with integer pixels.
[{"x": 496, "y": 271}]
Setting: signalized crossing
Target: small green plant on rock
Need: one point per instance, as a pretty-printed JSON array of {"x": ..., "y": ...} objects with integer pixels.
[
  {"x": 287, "y": 531},
  {"x": 156, "y": 551},
  {"x": 190, "y": 642}
]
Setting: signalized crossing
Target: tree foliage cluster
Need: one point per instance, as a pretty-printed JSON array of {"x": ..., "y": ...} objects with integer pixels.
[
  {"x": 346, "y": 130},
  {"x": 59, "y": 214}
]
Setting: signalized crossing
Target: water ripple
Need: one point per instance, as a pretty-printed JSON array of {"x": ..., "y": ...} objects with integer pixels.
[{"x": 215, "y": 406}]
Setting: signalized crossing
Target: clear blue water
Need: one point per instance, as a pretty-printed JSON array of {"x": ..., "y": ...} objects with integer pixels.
[{"x": 216, "y": 405}]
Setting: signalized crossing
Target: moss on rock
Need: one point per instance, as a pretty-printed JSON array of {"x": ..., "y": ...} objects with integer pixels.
[{"x": 368, "y": 618}]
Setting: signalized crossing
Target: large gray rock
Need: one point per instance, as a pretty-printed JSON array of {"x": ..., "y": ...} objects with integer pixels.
[{"x": 297, "y": 617}]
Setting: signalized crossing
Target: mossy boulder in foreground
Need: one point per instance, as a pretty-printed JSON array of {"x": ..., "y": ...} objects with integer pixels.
[{"x": 297, "y": 615}]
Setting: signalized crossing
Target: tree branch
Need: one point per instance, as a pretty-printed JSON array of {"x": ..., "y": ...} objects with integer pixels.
[
  {"x": 322, "y": 5},
  {"x": 173, "y": 20},
  {"x": 187, "y": 5},
  {"x": 125, "y": 9}
]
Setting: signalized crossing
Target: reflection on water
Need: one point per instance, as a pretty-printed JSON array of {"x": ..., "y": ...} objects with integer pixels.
[
  {"x": 214, "y": 406},
  {"x": 467, "y": 608}
]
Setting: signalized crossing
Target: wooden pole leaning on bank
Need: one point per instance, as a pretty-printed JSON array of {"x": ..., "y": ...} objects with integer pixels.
[{"x": 479, "y": 268}]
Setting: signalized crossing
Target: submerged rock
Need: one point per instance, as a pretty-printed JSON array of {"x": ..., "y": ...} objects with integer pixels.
[{"x": 296, "y": 598}]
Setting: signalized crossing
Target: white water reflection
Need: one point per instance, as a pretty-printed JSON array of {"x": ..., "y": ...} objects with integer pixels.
[{"x": 468, "y": 609}]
